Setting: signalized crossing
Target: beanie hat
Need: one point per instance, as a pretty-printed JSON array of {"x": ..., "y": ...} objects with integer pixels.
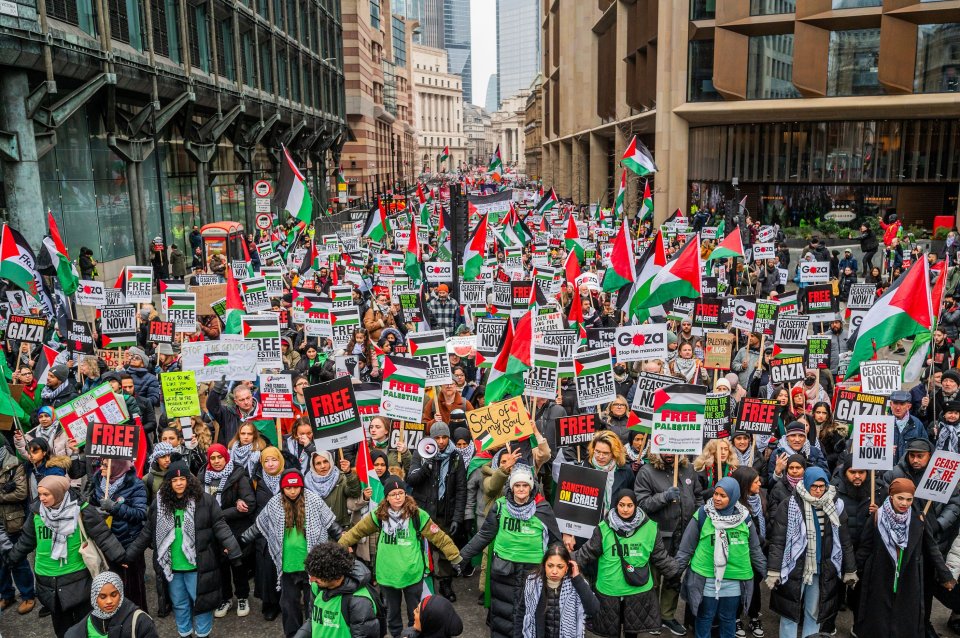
[
  {"x": 440, "y": 429},
  {"x": 177, "y": 469},
  {"x": 901, "y": 485},
  {"x": 138, "y": 352},
  {"x": 462, "y": 434},
  {"x": 814, "y": 474},
  {"x": 796, "y": 426},
  {"x": 60, "y": 371},
  {"x": 46, "y": 410},
  {"x": 291, "y": 478},
  {"x": 521, "y": 474},
  {"x": 392, "y": 483}
]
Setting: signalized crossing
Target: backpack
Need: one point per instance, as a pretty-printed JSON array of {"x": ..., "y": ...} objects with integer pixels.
[{"x": 378, "y": 608}]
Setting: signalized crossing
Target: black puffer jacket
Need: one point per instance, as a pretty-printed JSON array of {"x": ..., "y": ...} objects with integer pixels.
[
  {"x": 118, "y": 626},
  {"x": 212, "y": 537},
  {"x": 856, "y": 503},
  {"x": 424, "y": 478},
  {"x": 238, "y": 488},
  {"x": 672, "y": 517}
]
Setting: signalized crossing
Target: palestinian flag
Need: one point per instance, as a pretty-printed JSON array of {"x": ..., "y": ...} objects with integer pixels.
[
  {"x": 546, "y": 203},
  {"x": 475, "y": 251},
  {"x": 519, "y": 227},
  {"x": 413, "y": 258},
  {"x": 234, "y": 308},
  {"x": 124, "y": 340},
  {"x": 427, "y": 344},
  {"x": 571, "y": 268},
  {"x": 292, "y": 194},
  {"x": 368, "y": 397},
  {"x": 377, "y": 226},
  {"x": 44, "y": 362},
  {"x": 652, "y": 261},
  {"x": 181, "y": 301},
  {"x": 257, "y": 327},
  {"x": 521, "y": 348},
  {"x": 17, "y": 263},
  {"x": 904, "y": 310},
  {"x": 367, "y": 475},
  {"x": 618, "y": 203},
  {"x": 646, "y": 206},
  {"x": 404, "y": 370},
  {"x": 171, "y": 285},
  {"x": 67, "y": 274},
  {"x": 571, "y": 239},
  {"x": 635, "y": 423},
  {"x": 495, "y": 168},
  {"x": 593, "y": 362},
  {"x": 621, "y": 271},
  {"x": 216, "y": 359},
  {"x": 445, "y": 155},
  {"x": 679, "y": 278},
  {"x": 575, "y": 315},
  {"x": 345, "y": 316},
  {"x": 731, "y": 246},
  {"x": 499, "y": 383},
  {"x": 681, "y": 397},
  {"x": 638, "y": 159}
]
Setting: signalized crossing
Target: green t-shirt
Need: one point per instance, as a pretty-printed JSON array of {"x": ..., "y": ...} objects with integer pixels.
[
  {"x": 92, "y": 631},
  {"x": 400, "y": 557},
  {"x": 178, "y": 561},
  {"x": 294, "y": 551},
  {"x": 47, "y": 566}
]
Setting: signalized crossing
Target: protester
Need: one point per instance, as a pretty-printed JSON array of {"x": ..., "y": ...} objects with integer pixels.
[
  {"x": 557, "y": 599},
  {"x": 342, "y": 603},
  {"x": 113, "y": 614}
]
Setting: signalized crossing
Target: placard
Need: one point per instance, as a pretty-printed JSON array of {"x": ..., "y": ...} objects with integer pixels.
[
  {"x": 112, "y": 441},
  {"x": 678, "y": 415},
  {"x": 520, "y": 297},
  {"x": 764, "y": 250},
  {"x": 765, "y": 317},
  {"x": 645, "y": 388},
  {"x": 430, "y": 347},
  {"x": 118, "y": 326},
  {"x": 212, "y": 360},
  {"x": 80, "y": 337},
  {"x": 757, "y": 416},
  {"x": 160, "y": 331},
  {"x": 264, "y": 330},
  {"x": 716, "y": 416},
  {"x": 368, "y": 402},
  {"x": 439, "y": 272},
  {"x": 566, "y": 342},
  {"x": 708, "y": 313},
  {"x": 849, "y": 404},
  {"x": 473, "y": 294},
  {"x": 818, "y": 302},
  {"x": 939, "y": 480},
  {"x": 99, "y": 405},
  {"x": 861, "y": 296},
  {"x": 541, "y": 379},
  {"x": 494, "y": 425},
  {"x": 332, "y": 409},
  {"x": 180, "y": 393},
  {"x": 91, "y": 293},
  {"x": 719, "y": 350},
  {"x": 138, "y": 284},
  {"x": 873, "y": 442},
  {"x": 490, "y": 333},
  {"x": 791, "y": 330},
  {"x": 817, "y": 353},
  {"x": 880, "y": 377},
  {"x": 578, "y": 503},
  {"x": 26, "y": 328},
  {"x": 814, "y": 272},
  {"x": 404, "y": 381},
  {"x": 276, "y": 396},
  {"x": 255, "y": 297},
  {"x": 575, "y": 430},
  {"x": 744, "y": 312},
  {"x": 593, "y": 374},
  {"x": 207, "y": 295},
  {"x": 787, "y": 369},
  {"x": 637, "y": 343}
]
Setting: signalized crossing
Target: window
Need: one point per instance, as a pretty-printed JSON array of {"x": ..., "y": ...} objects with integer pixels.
[
  {"x": 856, "y": 4},
  {"x": 700, "y": 69},
  {"x": 225, "y": 53},
  {"x": 282, "y": 74},
  {"x": 702, "y": 9},
  {"x": 266, "y": 70},
  {"x": 125, "y": 22},
  {"x": 938, "y": 58},
  {"x": 772, "y": 7},
  {"x": 80, "y": 13},
  {"x": 200, "y": 39},
  {"x": 399, "y": 42},
  {"x": 166, "y": 28},
  {"x": 249, "y": 61},
  {"x": 852, "y": 65},
  {"x": 770, "y": 67},
  {"x": 375, "y": 14}
]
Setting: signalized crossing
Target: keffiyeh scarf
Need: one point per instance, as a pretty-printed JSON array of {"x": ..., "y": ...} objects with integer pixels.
[
  {"x": 466, "y": 453},
  {"x": 50, "y": 394},
  {"x": 756, "y": 509},
  {"x": 571, "y": 609},
  {"x": 827, "y": 507},
  {"x": 622, "y": 527},
  {"x": 721, "y": 543},
  {"x": 165, "y": 535},
  {"x": 220, "y": 478},
  {"x": 322, "y": 485},
  {"x": 62, "y": 523},
  {"x": 272, "y": 524},
  {"x": 949, "y": 437},
  {"x": 894, "y": 528},
  {"x": 245, "y": 456},
  {"x": 395, "y": 520}
]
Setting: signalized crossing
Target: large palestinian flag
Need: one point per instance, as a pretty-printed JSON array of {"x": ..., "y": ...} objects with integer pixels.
[
  {"x": 621, "y": 271},
  {"x": 681, "y": 397},
  {"x": 292, "y": 194},
  {"x": 731, "y": 246},
  {"x": 474, "y": 253},
  {"x": 679, "y": 278},
  {"x": 638, "y": 159}
]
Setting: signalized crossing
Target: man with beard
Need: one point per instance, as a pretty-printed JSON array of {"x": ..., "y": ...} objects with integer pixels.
[
  {"x": 931, "y": 406},
  {"x": 686, "y": 335},
  {"x": 943, "y": 355},
  {"x": 838, "y": 341},
  {"x": 906, "y": 426}
]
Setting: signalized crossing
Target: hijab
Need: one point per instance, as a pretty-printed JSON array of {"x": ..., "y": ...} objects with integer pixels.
[
  {"x": 272, "y": 481},
  {"x": 103, "y": 579},
  {"x": 625, "y": 526},
  {"x": 438, "y": 618},
  {"x": 322, "y": 485}
]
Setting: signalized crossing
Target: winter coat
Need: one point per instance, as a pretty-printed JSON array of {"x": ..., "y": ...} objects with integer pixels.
[
  {"x": 868, "y": 242},
  {"x": 942, "y": 519},
  {"x": 145, "y": 384},
  {"x": 151, "y": 482},
  {"x": 130, "y": 496},
  {"x": 617, "y": 425},
  {"x": 786, "y": 598},
  {"x": 883, "y": 612},
  {"x": 347, "y": 486},
  {"x": 744, "y": 363},
  {"x": 856, "y": 503},
  {"x": 119, "y": 626},
  {"x": 429, "y": 411},
  {"x": 212, "y": 536},
  {"x": 424, "y": 479},
  {"x": 652, "y": 481},
  {"x": 546, "y": 422},
  {"x": 777, "y": 494},
  {"x": 67, "y": 395},
  {"x": 237, "y": 488},
  {"x": 178, "y": 263},
  {"x": 587, "y": 600},
  {"x": 815, "y": 457},
  {"x": 69, "y": 590},
  {"x": 950, "y": 322},
  {"x": 13, "y": 503},
  {"x": 360, "y": 612}
]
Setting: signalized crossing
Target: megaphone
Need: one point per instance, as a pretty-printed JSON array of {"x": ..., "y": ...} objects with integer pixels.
[{"x": 427, "y": 448}]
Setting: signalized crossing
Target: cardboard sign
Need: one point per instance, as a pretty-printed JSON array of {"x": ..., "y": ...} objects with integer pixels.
[
  {"x": 26, "y": 328},
  {"x": 880, "y": 377},
  {"x": 764, "y": 250},
  {"x": 490, "y": 334},
  {"x": 112, "y": 441},
  {"x": 873, "y": 442},
  {"x": 99, "y": 405},
  {"x": 593, "y": 374},
  {"x": 637, "y": 343},
  {"x": 814, "y": 272},
  {"x": 207, "y": 295},
  {"x": 678, "y": 416},
  {"x": 332, "y": 409},
  {"x": 181, "y": 309},
  {"x": 646, "y": 387},
  {"x": 787, "y": 369},
  {"x": 579, "y": 501},
  {"x": 819, "y": 302},
  {"x": 404, "y": 380},
  {"x": 757, "y": 416},
  {"x": 80, "y": 337},
  {"x": 939, "y": 480},
  {"x": 494, "y": 425},
  {"x": 118, "y": 326},
  {"x": 160, "y": 332},
  {"x": 861, "y": 296},
  {"x": 541, "y": 379},
  {"x": 766, "y": 316},
  {"x": 473, "y": 294},
  {"x": 138, "y": 284},
  {"x": 716, "y": 416},
  {"x": 849, "y": 404},
  {"x": 817, "y": 353},
  {"x": 212, "y": 360},
  {"x": 791, "y": 330},
  {"x": 255, "y": 297},
  {"x": 276, "y": 396},
  {"x": 91, "y": 293},
  {"x": 180, "y": 393},
  {"x": 431, "y": 348},
  {"x": 719, "y": 350},
  {"x": 576, "y": 430},
  {"x": 264, "y": 330}
]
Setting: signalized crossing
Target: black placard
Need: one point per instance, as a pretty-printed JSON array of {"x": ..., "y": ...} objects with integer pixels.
[{"x": 112, "y": 441}]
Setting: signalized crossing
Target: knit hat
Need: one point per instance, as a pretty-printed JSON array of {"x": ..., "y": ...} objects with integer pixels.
[
  {"x": 60, "y": 371},
  {"x": 901, "y": 485},
  {"x": 796, "y": 426},
  {"x": 177, "y": 469},
  {"x": 271, "y": 452},
  {"x": 393, "y": 482},
  {"x": 814, "y": 474},
  {"x": 440, "y": 429},
  {"x": 732, "y": 379},
  {"x": 953, "y": 375},
  {"x": 56, "y": 485},
  {"x": 797, "y": 458},
  {"x": 138, "y": 352},
  {"x": 45, "y": 410},
  {"x": 462, "y": 434},
  {"x": 521, "y": 474},
  {"x": 291, "y": 478}
]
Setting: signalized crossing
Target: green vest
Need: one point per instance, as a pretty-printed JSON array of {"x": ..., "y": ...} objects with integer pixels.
[
  {"x": 327, "y": 616},
  {"x": 518, "y": 541},
  {"x": 92, "y": 631},
  {"x": 400, "y": 557},
  {"x": 636, "y": 548},
  {"x": 47, "y": 566},
  {"x": 738, "y": 558}
]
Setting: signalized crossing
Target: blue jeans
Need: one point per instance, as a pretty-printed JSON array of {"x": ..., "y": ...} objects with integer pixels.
[
  {"x": 811, "y": 602},
  {"x": 183, "y": 593},
  {"x": 22, "y": 576},
  {"x": 727, "y": 607}
]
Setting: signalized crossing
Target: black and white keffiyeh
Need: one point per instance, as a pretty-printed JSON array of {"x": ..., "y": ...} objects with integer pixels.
[
  {"x": 395, "y": 520},
  {"x": 272, "y": 524},
  {"x": 721, "y": 542},
  {"x": 211, "y": 477},
  {"x": 245, "y": 456},
  {"x": 894, "y": 528},
  {"x": 103, "y": 579},
  {"x": 572, "y": 615},
  {"x": 165, "y": 535},
  {"x": 62, "y": 523}
]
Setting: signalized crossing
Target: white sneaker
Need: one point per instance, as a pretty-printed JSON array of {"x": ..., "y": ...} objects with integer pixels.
[
  {"x": 242, "y": 608},
  {"x": 223, "y": 609}
]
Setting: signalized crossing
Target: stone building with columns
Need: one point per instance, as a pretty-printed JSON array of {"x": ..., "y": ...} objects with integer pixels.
[
  {"x": 508, "y": 130},
  {"x": 439, "y": 111}
]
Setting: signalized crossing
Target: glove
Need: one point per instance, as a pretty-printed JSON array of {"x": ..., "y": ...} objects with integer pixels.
[
  {"x": 772, "y": 579},
  {"x": 8, "y": 487},
  {"x": 107, "y": 504},
  {"x": 672, "y": 493},
  {"x": 220, "y": 387},
  {"x": 850, "y": 579},
  {"x": 427, "y": 466},
  {"x": 458, "y": 568},
  {"x": 454, "y": 527}
]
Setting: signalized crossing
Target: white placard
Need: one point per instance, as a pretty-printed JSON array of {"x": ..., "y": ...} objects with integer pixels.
[{"x": 873, "y": 442}]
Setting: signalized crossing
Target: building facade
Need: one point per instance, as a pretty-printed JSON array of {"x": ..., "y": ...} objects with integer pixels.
[
  {"x": 144, "y": 120},
  {"x": 492, "y": 102},
  {"x": 444, "y": 24},
  {"x": 379, "y": 98},
  {"x": 533, "y": 129},
  {"x": 438, "y": 96},
  {"x": 518, "y": 46},
  {"x": 508, "y": 130},
  {"x": 812, "y": 106},
  {"x": 476, "y": 128}
]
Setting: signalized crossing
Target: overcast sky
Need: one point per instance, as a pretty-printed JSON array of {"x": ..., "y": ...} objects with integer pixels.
[{"x": 483, "y": 42}]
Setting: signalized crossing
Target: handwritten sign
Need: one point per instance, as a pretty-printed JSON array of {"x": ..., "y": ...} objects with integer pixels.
[
  {"x": 494, "y": 425},
  {"x": 180, "y": 393}
]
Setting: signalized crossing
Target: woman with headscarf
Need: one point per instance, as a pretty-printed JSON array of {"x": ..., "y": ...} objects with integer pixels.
[
  {"x": 783, "y": 488},
  {"x": 557, "y": 600},
  {"x": 623, "y": 546},
  {"x": 434, "y": 617},
  {"x": 123, "y": 498},
  {"x": 747, "y": 450},
  {"x": 50, "y": 430},
  {"x": 687, "y": 366},
  {"x": 751, "y": 497},
  {"x": 293, "y": 522},
  {"x": 113, "y": 614},
  {"x": 402, "y": 562},
  {"x": 605, "y": 453},
  {"x": 894, "y": 546},
  {"x": 809, "y": 551},
  {"x": 56, "y": 526},
  {"x": 230, "y": 486},
  {"x": 187, "y": 532},
  {"x": 160, "y": 460},
  {"x": 333, "y": 484},
  {"x": 722, "y": 548},
  {"x": 266, "y": 477}
]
